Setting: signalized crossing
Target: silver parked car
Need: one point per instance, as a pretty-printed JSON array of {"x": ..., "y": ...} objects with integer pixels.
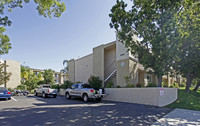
[{"x": 84, "y": 91}]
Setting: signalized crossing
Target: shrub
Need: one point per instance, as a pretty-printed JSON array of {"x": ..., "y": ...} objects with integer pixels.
[
  {"x": 56, "y": 86},
  {"x": 66, "y": 84},
  {"x": 171, "y": 86},
  {"x": 32, "y": 91},
  {"x": 41, "y": 82},
  {"x": 109, "y": 84},
  {"x": 10, "y": 89},
  {"x": 95, "y": 82},
  {"x": 176, "y": 85},
  {"x": 165, "y": 85},
  {"x": 183, "y": 85},
  {"x": 130, "y": 85},
  {"x": 152, "y": 84},
  {"x": 118, "y": 86},
  {"x": 21, "y": 87}
]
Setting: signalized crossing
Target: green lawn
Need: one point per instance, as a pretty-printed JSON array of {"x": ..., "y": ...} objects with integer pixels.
[{"x": 187, "y": 101}]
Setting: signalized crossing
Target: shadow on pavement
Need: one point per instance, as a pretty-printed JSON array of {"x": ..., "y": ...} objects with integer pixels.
[{"x": 62, "y": 112}]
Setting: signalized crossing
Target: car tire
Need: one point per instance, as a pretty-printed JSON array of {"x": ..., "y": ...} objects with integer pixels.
[
  {"x": 35, "y": 93},
  {"x": 9, "y": 98},
  {"x": 67, "y": 96},
  {"x": 54, "y": 96},
  {"x": 85, "y": 98},
  {"x": 43, "y": 95}
]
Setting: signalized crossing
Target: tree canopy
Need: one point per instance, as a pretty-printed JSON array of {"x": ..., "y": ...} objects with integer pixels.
[
  {"x": 164, "y": 35},
  {"x": 187, "y": 58},
  {"x": 153, "y": 23},
  {"x": 48, "y": 76}
]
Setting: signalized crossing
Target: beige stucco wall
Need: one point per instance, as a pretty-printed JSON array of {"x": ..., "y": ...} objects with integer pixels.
[
  {"x": 122, "y": 71},
  {"x": 83, "y": 68},
  {"x": 71, "y": 67},
  {"x": 148, "y": 96},
  {"x": 133, "y": 72},
  {"x": 98, "y": 62},
  {"x": 121, "y": 51},
  {"x": 15, "y": 70}
]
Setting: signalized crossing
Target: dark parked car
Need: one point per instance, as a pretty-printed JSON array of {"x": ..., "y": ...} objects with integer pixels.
[{"x": 4, "y": 93}]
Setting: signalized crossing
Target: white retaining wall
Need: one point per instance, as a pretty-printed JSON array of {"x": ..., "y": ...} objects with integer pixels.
[{"x": 149, "y": 96}]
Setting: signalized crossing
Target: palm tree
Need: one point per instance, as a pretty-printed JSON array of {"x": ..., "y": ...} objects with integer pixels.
[{"x": 65, "y": 69}]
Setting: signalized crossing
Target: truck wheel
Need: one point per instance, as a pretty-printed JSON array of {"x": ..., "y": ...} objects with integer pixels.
[
  {"x": 54, "y": 96},
  {"x": 67, "y": 96},
  {"x": 85, "y": 98},
  {"x": 43, "y": 95},
  {"x": 35, "y": 93}
]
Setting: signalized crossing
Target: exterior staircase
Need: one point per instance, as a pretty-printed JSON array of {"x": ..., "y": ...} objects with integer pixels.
[{"x": 111, "y": 75}]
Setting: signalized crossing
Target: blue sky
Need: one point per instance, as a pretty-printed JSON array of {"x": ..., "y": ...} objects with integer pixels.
[{"x": 44, "y": 43}]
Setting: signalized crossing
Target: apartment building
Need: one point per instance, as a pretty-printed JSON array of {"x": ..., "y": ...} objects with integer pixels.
[
  {"x": 58, "y": 76},
  {"x": 111, "y": 62},
  {"x": 14, "y": 68}
]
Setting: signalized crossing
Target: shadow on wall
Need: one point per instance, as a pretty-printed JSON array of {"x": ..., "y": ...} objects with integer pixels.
[{"x": 75, "y": 112}]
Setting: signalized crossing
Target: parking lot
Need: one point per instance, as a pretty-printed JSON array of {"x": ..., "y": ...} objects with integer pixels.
[{"x": 37, "y": 111}]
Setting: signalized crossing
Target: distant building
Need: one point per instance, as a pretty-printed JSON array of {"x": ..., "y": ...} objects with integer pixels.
[
  {"x": 59, "y": 77},
  {"x": 15, "y": 70}
]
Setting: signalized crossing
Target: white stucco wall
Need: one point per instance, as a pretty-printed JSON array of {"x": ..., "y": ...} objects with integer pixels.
[
  {"x": 149, "y": 96},
  {"x": 83, "y": 68}
]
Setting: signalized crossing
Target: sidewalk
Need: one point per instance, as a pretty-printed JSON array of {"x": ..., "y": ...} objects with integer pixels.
[{"x": 180, "y": 117}]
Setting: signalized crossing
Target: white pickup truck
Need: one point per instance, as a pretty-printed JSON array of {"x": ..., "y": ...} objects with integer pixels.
[{"x": 45, "y": 90}]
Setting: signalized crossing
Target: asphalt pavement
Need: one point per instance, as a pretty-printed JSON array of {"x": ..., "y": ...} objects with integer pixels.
[{"x": 38, "y": 111}]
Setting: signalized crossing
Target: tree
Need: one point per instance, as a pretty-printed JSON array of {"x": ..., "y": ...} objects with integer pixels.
[
  {"x": 4, "y": 76},
  {"x": 32, "y": 81},
  {"x": 29, "y": 79},
  {"x": 48, "y": 76},
  {"x": 46, "y": 8},
  {"x": 25, "y": 72},
  {"x": 153, "y": 23},
  {"x": 188, "y": 52},
  {"x": 197, "y": 85},
  {"x": 65, "y": 69}
]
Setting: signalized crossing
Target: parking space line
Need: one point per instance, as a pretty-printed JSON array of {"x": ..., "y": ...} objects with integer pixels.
[{"x": 13, "y": 99}]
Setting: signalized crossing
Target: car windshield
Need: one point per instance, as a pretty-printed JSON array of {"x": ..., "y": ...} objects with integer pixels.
[
  {"x": 46, "y": 86},
  {"x": 86, "y": 86},
  {"x": 2, "y": 89}
]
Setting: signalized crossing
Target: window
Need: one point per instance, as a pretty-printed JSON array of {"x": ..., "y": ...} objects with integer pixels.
[
  {"x": 75, "y": 86},
  {"x": 122, "y": 64},
  {"x": 86, "y": 86},
  {"x": 46, "y": 86},
  {"x": 149, "y": 78}
]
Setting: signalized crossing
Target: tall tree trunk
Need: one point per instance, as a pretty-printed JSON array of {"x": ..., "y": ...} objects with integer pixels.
[
  {"x": 197, "y": 86},
  {"x": 188, "y": 82},
  {"x": 159, "y": 81}
]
